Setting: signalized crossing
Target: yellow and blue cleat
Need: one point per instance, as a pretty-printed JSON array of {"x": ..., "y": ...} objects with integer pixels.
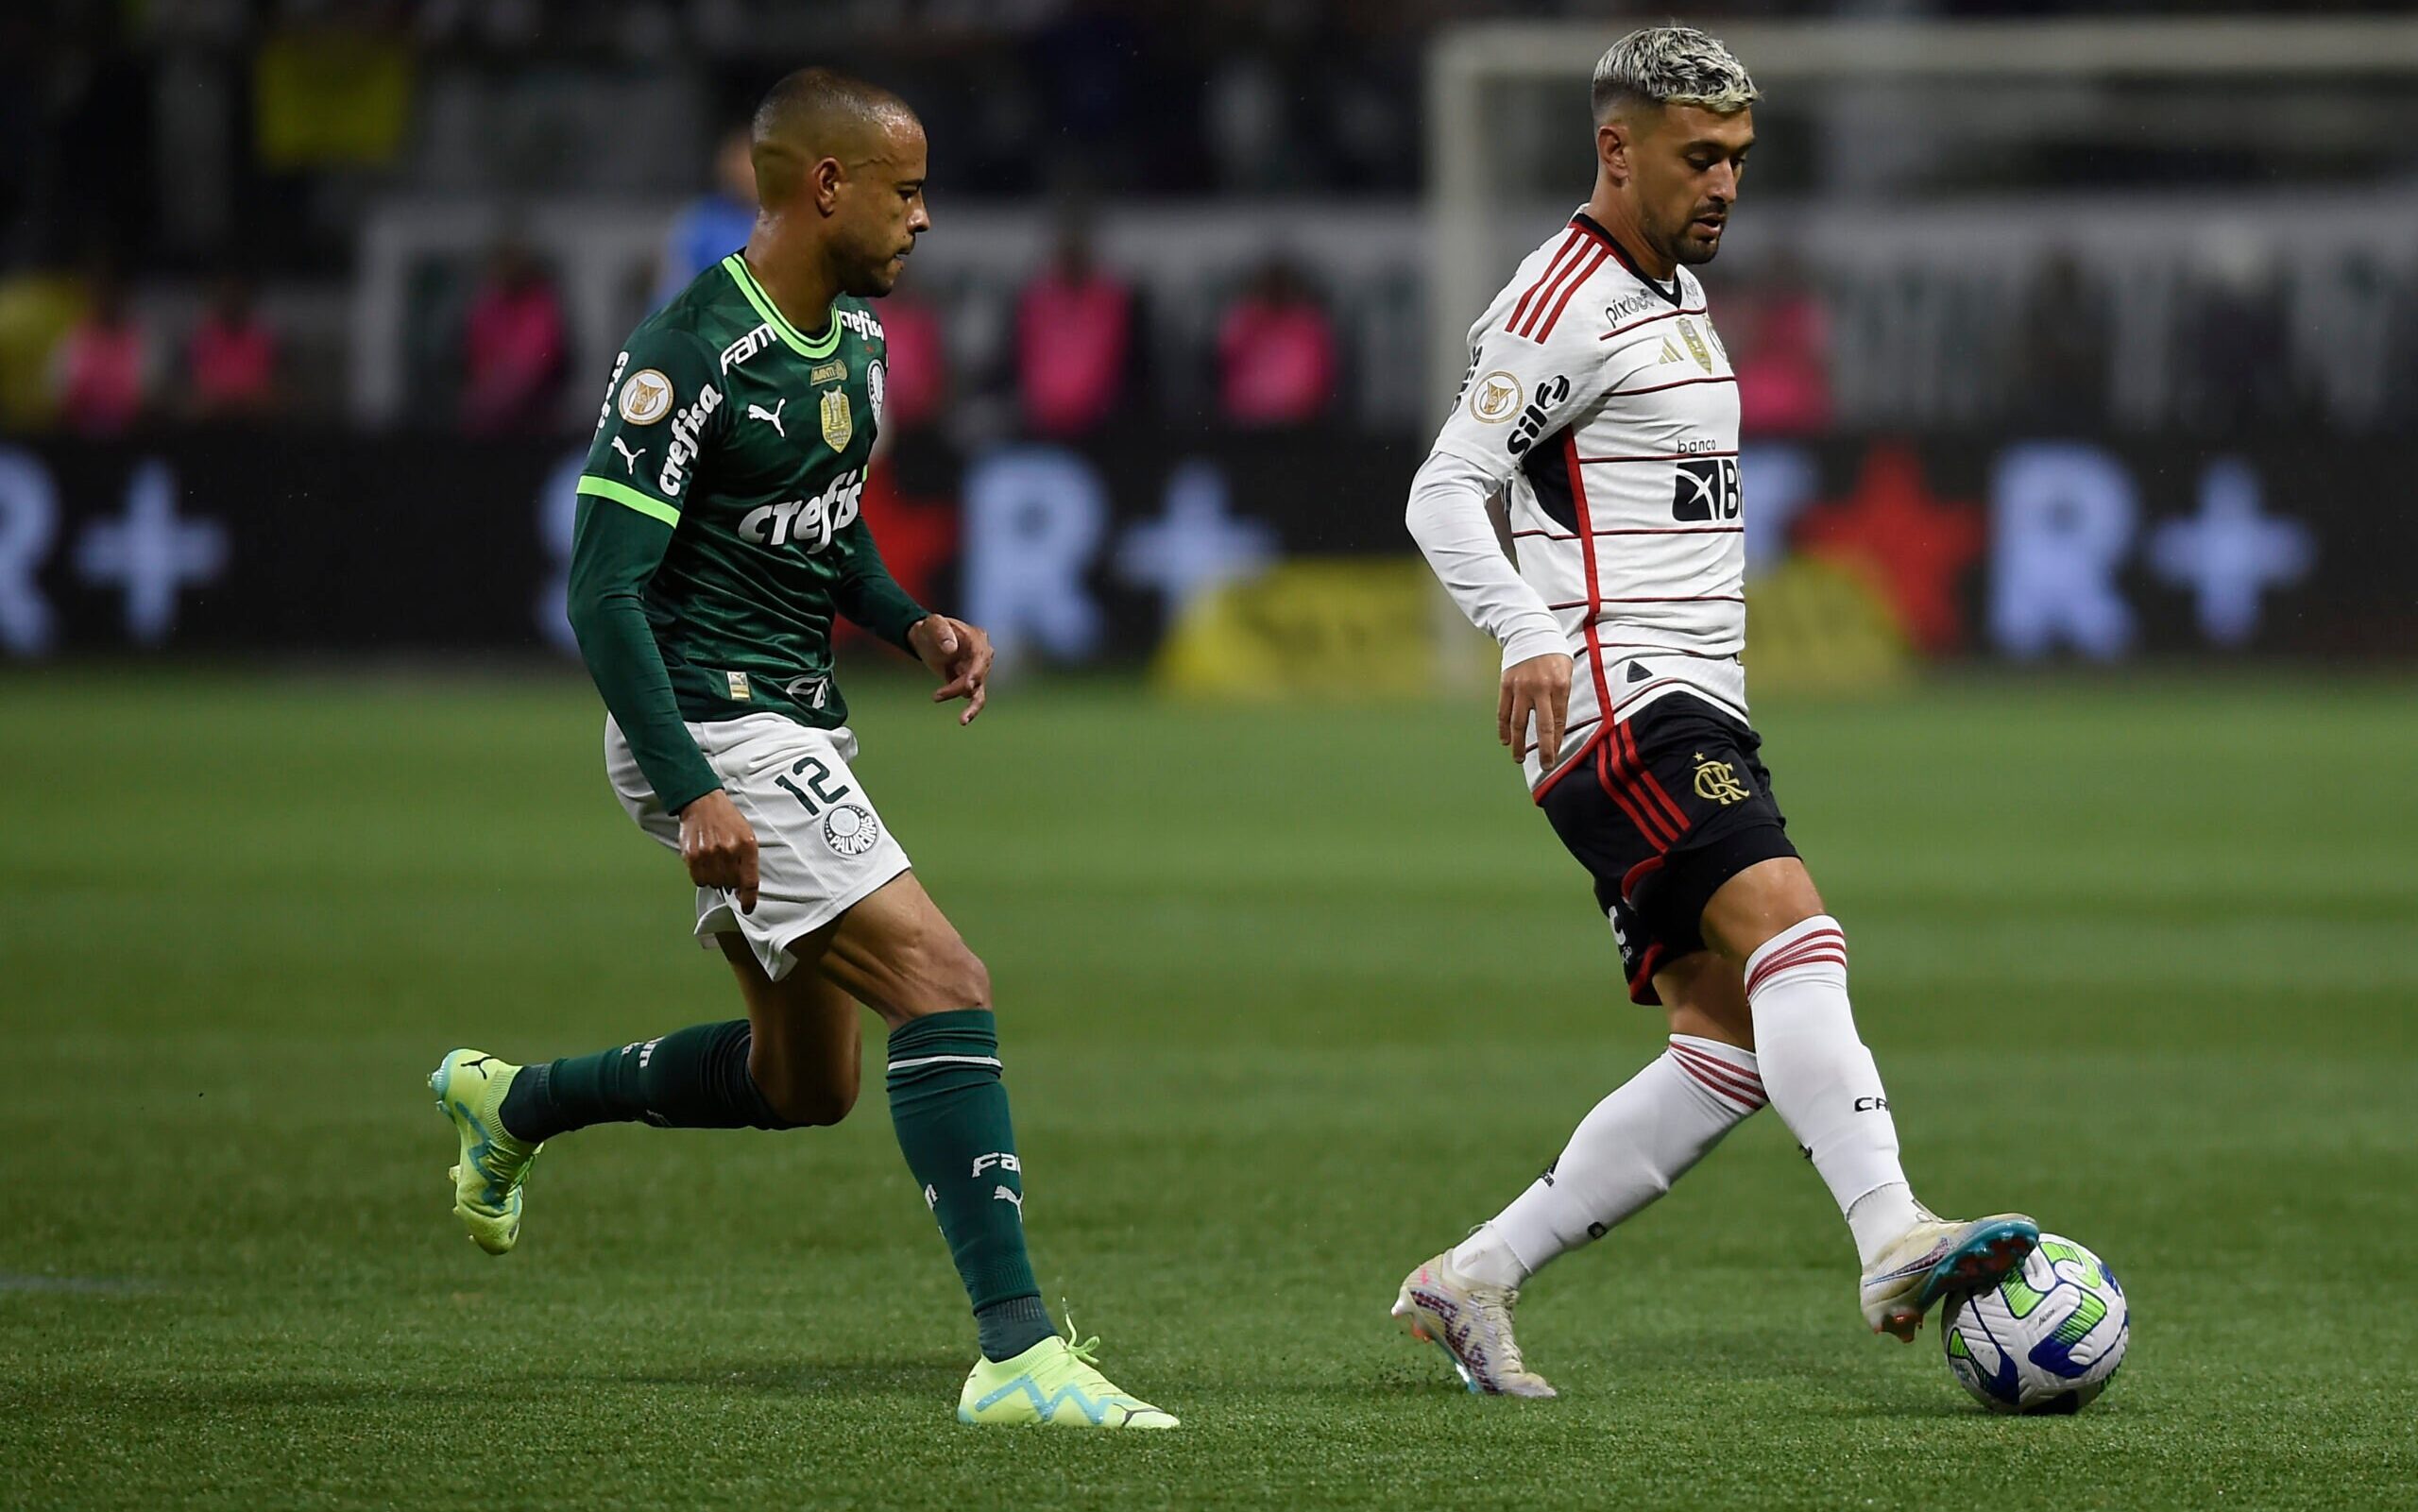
[
  {"x": 469, "y": 1087},
  {"x": 1054, "y": 1382}
]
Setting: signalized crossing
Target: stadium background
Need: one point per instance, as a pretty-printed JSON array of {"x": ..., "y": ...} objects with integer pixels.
[{"x": 2079, "y": 400}]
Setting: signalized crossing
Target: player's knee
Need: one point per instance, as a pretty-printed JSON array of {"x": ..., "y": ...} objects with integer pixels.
[
  {"x": 941, "y": 976},
  {"x": 974, "y": 979},
  {"x": 1758, "y": 904},
  {"x": 1705, "y": 997},
  {"x": 959, "y": 978}
]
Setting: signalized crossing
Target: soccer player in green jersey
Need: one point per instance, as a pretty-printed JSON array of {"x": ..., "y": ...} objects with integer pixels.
[{"x": 718, "y": 536}]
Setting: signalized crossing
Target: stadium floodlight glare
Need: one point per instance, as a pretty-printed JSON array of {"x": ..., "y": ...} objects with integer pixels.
[{"x": 1464, "y": 178}]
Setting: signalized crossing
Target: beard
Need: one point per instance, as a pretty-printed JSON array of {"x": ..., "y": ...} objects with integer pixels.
[{"x": 1693, "y": 246}]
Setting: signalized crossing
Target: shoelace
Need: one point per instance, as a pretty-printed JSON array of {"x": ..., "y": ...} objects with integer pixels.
[
  {"x": 1088, "y": 1351},
  {"x": 1494, "y": 1305}
]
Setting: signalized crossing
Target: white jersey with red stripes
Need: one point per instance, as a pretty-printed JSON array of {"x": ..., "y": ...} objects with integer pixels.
[{"x": 1604, "y": 405}]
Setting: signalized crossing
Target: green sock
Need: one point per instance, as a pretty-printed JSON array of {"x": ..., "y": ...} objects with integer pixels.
[
  {"x": 694, "y": 1077},
  {"x": 951, "y": 1115}
]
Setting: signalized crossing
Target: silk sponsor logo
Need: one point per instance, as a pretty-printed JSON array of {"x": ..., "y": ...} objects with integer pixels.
[
  {"x": 687, "y": 427},
  {"x": 1532, "y": 421},
  {"x": 811, "y": 523}
]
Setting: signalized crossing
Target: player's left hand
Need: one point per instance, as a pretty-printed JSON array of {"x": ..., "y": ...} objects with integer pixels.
[{"x": 958, "y": 654}]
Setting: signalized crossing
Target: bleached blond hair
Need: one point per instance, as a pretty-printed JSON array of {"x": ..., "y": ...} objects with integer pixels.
[{"x": 1670, "y": 65}]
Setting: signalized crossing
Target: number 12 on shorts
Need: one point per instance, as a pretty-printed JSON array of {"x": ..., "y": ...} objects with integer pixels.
[{"x": 815, "y": 794}]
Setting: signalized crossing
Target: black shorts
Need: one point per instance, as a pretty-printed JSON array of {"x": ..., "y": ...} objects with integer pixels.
[{"x": 1662, "y": 809}]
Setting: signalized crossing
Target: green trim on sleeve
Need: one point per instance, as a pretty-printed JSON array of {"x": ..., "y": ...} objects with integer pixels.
[
  {"x": 621, "y": 493},
  {"x": 819, "y": 347}
]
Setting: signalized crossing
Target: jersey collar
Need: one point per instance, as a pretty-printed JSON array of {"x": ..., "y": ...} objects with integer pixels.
[
  {"x": 1588, "y": 223},
  {"x": 817, "y": 347}
]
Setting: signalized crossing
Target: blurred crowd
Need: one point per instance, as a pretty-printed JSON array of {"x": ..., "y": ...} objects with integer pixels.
[
  {"x": 109, "y": 371},
  {"x": 1075, "y": 361},
  {"x": 180, "y": 234}
]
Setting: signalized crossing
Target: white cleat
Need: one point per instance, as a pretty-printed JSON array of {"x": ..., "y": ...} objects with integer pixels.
[
  {"x": 1936, "y": 1257},
  {"x": 1472, "y": 1323}
]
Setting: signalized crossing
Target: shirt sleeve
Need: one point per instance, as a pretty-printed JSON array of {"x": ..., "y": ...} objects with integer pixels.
[
  {"x": 614, "y": 551},
  {"x": 664, "y": 410},
  {"x": 867, "y": 595},
  {"x": 1447, "y": 518},
  {"x": 1518, "y": 394}
]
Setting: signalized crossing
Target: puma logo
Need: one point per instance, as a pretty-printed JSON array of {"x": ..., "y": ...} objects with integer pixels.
[
  {"x": 629, "y": 458},
  {"x": 1002, "y": 1193},
  {"x": 757, "y": 411}
]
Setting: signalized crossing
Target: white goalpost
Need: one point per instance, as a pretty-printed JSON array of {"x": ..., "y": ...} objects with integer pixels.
[{"x": 1476, "y": 230}]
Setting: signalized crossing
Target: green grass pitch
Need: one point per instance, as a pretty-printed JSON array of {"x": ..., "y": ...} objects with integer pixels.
[{"x": 1290, "y": 998}]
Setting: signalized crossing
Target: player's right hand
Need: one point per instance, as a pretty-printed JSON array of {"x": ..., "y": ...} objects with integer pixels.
[
  {"x": 719, "y": 847},
  {"x": 1538, "y": 687}
]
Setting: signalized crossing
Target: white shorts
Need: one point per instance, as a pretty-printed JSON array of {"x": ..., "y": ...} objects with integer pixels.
[{"x": 820, "y": 847}]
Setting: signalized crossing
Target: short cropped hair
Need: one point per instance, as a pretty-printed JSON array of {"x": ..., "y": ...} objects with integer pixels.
[
  {"x": 811, "y": 113},
  {"x": 1670, "y": 65}
]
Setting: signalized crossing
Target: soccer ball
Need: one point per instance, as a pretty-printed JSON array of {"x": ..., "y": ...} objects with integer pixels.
[{"x": 2043, "y": 1340}]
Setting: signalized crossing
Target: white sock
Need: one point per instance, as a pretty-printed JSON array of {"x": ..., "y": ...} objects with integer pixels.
[
  {"x": 1624, "y": 1154},
  {"x": 1822, "y": 1080}
]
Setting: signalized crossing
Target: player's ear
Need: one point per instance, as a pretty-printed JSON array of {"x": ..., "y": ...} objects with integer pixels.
[
  {"x": 822, "y": 181},
  {"x": 1612, "y": 149}
]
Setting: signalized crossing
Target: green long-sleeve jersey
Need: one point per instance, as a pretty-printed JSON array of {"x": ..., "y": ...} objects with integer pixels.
[{"x": 718, "y": 530}]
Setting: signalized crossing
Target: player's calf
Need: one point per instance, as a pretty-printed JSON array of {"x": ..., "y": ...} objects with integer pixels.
[{"x": 1825, "y": 1085}]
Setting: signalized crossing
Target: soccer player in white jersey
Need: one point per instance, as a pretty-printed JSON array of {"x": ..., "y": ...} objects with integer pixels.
[{"x": 1601, "y": 408}]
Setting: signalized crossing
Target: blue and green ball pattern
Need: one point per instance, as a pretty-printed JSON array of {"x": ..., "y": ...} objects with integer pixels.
[{"x": 2045, "y": 1338}]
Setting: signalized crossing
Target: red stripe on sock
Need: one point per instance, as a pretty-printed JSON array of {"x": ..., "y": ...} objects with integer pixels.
[
  {"x": 1726, "y": 1092},
  {"x": 1708, "y": 1059},
  {"x": 1760, "y": 977},
  {"x": 1745, "y": 1081},
  {"x": 1794, "y": 953}
]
